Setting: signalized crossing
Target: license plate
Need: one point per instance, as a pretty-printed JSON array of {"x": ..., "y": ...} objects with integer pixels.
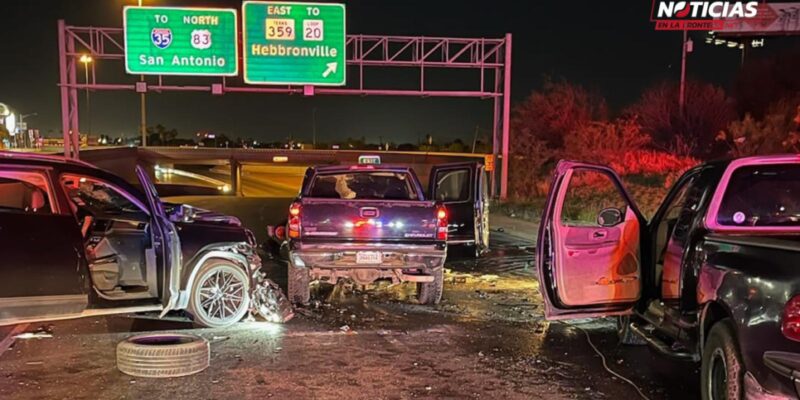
[{"x": 368, "y": 257}]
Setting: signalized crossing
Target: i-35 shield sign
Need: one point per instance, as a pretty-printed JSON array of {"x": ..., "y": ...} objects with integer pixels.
[{"x": 161, "y": 37}]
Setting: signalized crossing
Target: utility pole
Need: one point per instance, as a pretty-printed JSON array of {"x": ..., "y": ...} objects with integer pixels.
[
  {"x": 475, "y": 138},
  {"x": 314, "y": 127},
  {"x": 686, "y": 48}
]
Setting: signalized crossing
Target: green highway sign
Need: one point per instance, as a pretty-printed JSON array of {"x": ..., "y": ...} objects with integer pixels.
[
  {"x": 181, "y": 41},
  {"x": 294, "y": 43}
]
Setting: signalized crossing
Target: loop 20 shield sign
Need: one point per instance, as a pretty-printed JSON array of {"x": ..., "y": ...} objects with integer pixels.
[
  {"x": 181, "y": 41},
  {"x": 294, "y": 43}
]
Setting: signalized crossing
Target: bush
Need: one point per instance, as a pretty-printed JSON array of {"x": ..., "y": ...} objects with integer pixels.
[
  {"x": 708, "y": 110},
  {"x": 777, "y": 132},
  {"x": 604, "y": 142},
  {"x": 528, "y": 158}
]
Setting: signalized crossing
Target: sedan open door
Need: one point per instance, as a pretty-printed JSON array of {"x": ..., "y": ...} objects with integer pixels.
[
  {"x": 588, "y": 250},
  {"x": 165, "y": 241}
]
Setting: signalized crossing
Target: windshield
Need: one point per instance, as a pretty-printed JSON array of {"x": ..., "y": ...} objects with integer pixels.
[
  {"x": 762, "y": 195},
  {"x": 97, "y": 196},
  {"x": 372, "y": 185}
]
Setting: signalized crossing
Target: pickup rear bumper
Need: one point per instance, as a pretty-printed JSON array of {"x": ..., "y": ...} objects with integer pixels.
[{"x": 398, "y": 262}]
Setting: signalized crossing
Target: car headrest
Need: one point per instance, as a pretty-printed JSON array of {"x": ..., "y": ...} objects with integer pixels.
[{"x": 37, "y": 200}]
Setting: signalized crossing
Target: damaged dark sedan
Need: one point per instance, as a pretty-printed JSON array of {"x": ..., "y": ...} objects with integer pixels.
[{"x": 78, "y": 241}]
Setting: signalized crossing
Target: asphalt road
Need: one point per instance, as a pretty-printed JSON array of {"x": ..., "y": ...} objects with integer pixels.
[{"x": 487, "y": 339}]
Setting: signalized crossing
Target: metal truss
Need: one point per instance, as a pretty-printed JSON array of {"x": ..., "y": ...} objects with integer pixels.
[{"x": 490, "y": 57}]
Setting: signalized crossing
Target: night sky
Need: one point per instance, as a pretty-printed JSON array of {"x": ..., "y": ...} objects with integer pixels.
[{"x": 608, "y": 46}]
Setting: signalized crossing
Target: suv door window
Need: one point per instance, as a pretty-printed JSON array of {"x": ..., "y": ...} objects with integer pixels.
[
  {"x": 24, "y": 192},
  {"x": 590, "y": 192},
  {"x": 670, "y": 217},
  {"x": 673, "y": 231}
]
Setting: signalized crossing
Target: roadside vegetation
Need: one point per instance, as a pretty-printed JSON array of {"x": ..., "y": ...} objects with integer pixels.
[{"x": 650, "y": 143}]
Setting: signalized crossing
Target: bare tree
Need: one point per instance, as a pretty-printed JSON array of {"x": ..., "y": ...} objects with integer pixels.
[
  {"x": 554, "y": 112},
  {"x": 708, "y": 110}
]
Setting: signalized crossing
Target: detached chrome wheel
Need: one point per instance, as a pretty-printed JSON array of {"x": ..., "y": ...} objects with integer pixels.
[{"x": 220, "y": 295}]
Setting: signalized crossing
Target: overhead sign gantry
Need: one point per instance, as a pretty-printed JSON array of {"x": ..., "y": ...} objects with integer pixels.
[{"x": 310, "y": 56}]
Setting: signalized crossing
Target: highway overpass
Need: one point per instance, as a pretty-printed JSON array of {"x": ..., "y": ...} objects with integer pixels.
[{"x": 261, "y": 165}]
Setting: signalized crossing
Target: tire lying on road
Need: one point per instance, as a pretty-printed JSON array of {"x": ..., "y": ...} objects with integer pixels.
[{"x": 163, "y": 355}]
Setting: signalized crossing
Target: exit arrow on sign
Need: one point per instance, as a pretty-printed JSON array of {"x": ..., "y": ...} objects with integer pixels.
[{"x": 330, "y": 70}]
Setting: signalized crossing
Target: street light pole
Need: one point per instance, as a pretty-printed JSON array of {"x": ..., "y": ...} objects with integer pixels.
[
  {"x": 86, "y": 60},
  {"x": 22, "y": 120}
]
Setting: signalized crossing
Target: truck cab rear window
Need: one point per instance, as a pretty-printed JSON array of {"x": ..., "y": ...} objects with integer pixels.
[
  {"x": 368, "y": 185},
  {"x": 762, "y": 195}
]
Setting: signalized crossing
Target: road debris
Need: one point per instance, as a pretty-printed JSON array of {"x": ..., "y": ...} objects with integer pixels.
[{"x": 33, "y": 335}]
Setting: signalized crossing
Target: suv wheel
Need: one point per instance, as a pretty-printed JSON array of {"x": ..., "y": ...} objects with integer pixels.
[
  {"x": 431, "y": 292},
  {"x": 220, "y": 294},
  {"x": 722, "y": 371},
  {"x": 298, "y": 285}
]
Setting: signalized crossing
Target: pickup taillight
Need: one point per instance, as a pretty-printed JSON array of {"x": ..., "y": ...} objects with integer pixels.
[
  {"x": 294, "y": 221},
  {"x": 441, "y": 223},
  {"x": 790, "y": 320}
]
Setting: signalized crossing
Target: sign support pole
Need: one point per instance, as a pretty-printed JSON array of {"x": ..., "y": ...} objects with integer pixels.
[
  {"x": 69, "y": 92},
  {"x": 506, "y": 117},
  {"x": 62, "y": 80},
  {"x": 143, "y": 121}
]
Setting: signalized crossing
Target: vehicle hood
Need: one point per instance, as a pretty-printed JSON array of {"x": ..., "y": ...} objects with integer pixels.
[{"x": 188, "y": 214}]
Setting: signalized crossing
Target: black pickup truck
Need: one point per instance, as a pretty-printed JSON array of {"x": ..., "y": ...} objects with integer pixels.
[
  {"x": 368, "y": 221},
  {"x": 712, "y": 277}
]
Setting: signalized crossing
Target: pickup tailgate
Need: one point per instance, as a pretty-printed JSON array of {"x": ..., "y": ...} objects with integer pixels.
[{"x": 368, "y": 220}]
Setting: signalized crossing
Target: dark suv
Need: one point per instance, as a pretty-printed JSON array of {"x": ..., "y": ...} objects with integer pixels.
[{"x": 79, "y": 241}]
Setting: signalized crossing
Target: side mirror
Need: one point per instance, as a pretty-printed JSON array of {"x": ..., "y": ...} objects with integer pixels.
[{"x": 609, "y": 217}]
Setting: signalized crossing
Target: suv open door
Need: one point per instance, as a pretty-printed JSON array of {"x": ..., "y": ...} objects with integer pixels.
[
  {"x": 462, "y": 188},
  {"x": 588, "y": 250},
  {"x": 165, "y": 241}
]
